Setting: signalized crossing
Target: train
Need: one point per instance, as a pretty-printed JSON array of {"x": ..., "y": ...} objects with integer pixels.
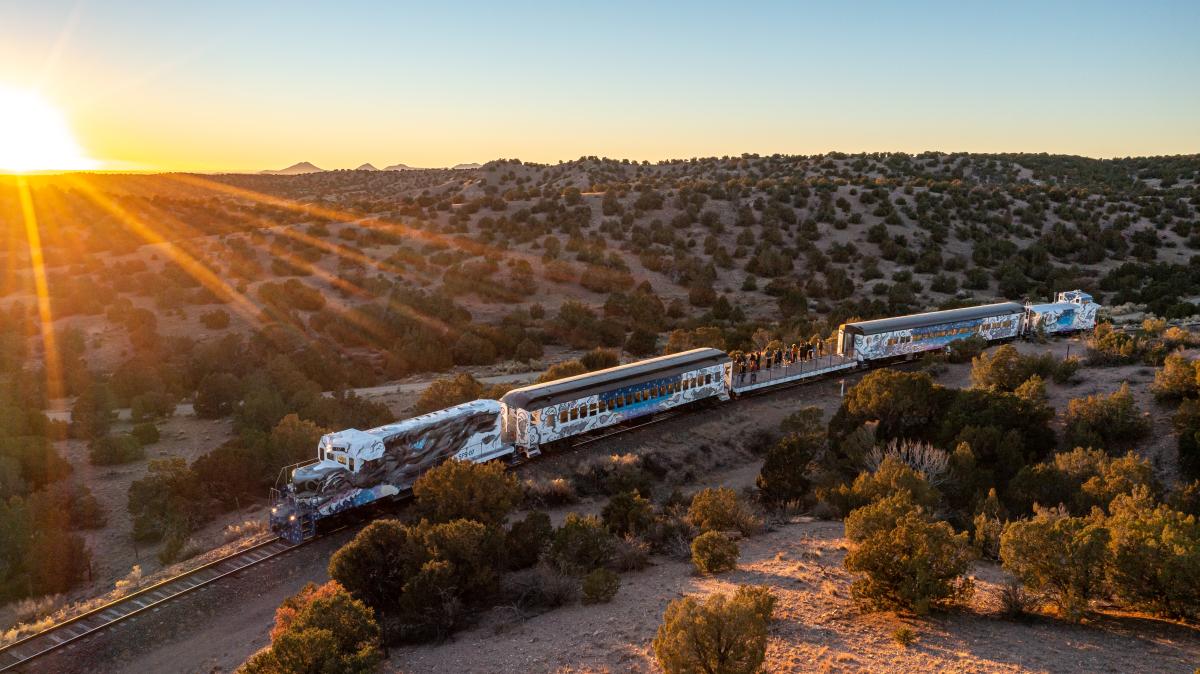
[{"x": 355, "y": 469}]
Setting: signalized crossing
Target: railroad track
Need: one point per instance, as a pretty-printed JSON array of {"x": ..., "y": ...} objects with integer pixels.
[{"x": 147, "y": 599}]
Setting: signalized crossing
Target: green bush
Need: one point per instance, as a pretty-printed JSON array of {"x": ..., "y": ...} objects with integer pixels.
[
  {"x": 146, "y": 434},
  {"x": 1187, "y": 425},
  {"x": 1155, "y": 556},
  {"x": 905, "y": 560},
  {"x": 713, "y": 552},
  {"x": 1111, "y": 422},
  {"x": 600, "y": 586},
  {"x": 1061, "y": 557},
  {"x": 721, "y": 635},
  {"x": 627, "y": 513},
  {"x": 599, "y": 359},
  {"x": 484, "y": 492},
  {"x": 527, "y": 539},
  {"x": 418, "y": 578},
  {"x": 963, "y": 350},
  {"x": 892, "y": 477},
  {"x": 720, "y": 509},
  {"x": 111, "y": 450},
  {"x": 1179, "y": 377},
  {"x": 581, "y": 544},
  {"x": 783, "y": 477},
  {"x": 320, "y": 629},
  {"x": 1080, "y": 480}
]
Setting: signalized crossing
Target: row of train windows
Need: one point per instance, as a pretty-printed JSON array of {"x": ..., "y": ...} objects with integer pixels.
[
  {"x": 620, "y": 401},
  {"x": 953, "y": 331}
]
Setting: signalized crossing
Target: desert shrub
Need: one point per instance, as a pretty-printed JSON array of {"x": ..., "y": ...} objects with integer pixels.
[
  {"x": 630, "y": 553},
  {"x": 626, "y": 513},
  {"x": 1112, "y": 421},
  {"x": 217, "y": 319},
  {"x": 567, "y": 368},
  {"x": 600, "y": 586},
  {"x": 110, "y": 450},
  {"x": 484, "y": 492},
  {"x": 1081, "y": 480},
  {"x": 1060, "y": 557},
  {"x": 448, "y": 392},
  {"x": 721, "y": 635},
  {"x": 542, "y": 587},
  {"x": 713, "y": 552},
  {"x": 1006, "y": 368},
  {"x": 217, "y": 395},
  {"x": 1187, "y": 425},
  {"x": 1155, "y": 556},
  {"x": 581, "y": 544},
  {"x": 527, "y": 539},
  {"x": 784, "y": 477},
  {"x": 1107, "y": 346},
  {"x": 1015, "y": 602},
  {"x": 903, "y": 559},
  {"x": 320, "y": 629},
  {"x": 419, "y": 578},
  {"x": 146, "y": 434},
  {"x": 989, "y": 525},
  {"x": 550, "y": 492},
  {"x": 1179, "y": 377},
  {"x": 612, "y": 475},
  {"x": 671, "y": 534},
  {"x": 599, "y": 359},
  {"x": 905, "y": 636},
  {"x": 963, "y": 350},
  {"x": 892, "y": 477},
  {"x": 720, "y": 509}
]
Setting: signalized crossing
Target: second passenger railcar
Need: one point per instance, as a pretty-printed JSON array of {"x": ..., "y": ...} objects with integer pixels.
[
  {"x": 537, "y": 415},
  {"x": 887, "y": 338}
]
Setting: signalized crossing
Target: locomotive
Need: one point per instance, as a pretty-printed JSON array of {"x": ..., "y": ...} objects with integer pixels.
[{"x": 356, "y": 468}]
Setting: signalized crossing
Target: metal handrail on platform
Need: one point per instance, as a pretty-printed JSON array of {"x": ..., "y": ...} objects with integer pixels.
[{"x": 786, "y": 370}]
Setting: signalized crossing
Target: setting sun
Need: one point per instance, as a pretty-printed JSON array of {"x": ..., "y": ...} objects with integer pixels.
[{"x": 34, "y": 135}]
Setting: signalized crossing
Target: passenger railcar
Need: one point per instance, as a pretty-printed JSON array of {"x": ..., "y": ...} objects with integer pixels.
[
  {"x": 1072, "y": 311},
  {"x": 888, "y": 338},
  {"x": 535, "y": 416}
]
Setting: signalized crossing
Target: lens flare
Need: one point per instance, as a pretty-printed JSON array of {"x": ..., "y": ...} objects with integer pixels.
[{"x": 34, "y": 136}]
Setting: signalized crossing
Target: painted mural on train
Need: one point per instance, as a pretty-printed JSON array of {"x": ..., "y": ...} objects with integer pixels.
[
  {"x": 1064, "y": 316},
  {"x": 612, "y": 407},
  {"x": 357, "y": 467},
  {"x": 918, "y": 340}
]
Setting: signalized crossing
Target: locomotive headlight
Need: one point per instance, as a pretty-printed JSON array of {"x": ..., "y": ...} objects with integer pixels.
[
  {"x": 274, "y": 511},
  {"x": 291, "y": 518}
]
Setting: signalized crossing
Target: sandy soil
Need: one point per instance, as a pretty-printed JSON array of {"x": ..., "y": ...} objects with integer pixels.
[{"x": 817, "y": 626}]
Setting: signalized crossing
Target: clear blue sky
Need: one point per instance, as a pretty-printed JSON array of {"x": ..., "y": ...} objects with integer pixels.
[{"x": 243, "y": 85}]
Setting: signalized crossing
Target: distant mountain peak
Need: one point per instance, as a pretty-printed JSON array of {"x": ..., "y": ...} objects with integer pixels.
[
  {"x": 466, "y": 166},
  {"x": 366, "y": 167},
  {"x": 400, "y": 167},
  {"x": 295, "y": 169}
]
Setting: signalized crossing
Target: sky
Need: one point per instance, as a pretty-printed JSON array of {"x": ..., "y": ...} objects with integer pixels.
[{"x": 251, "y": 85}]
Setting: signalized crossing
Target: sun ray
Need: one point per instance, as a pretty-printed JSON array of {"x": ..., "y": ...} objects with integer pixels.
[
  {"x": 190, "y": 265},
  {"x": 50, "y": 357}
]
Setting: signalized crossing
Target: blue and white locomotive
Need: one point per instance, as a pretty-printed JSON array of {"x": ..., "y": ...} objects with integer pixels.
[{"x": 356, "y": 468}]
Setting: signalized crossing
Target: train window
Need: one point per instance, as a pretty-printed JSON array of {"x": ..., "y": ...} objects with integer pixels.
[
  {"x": 595, "y": 409},
  {"x": 574, "y": 413},
  {"x": 562, "y": 417},
  {"x": 708, "y": 379},
  {"x": 351, "y": 464}
]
